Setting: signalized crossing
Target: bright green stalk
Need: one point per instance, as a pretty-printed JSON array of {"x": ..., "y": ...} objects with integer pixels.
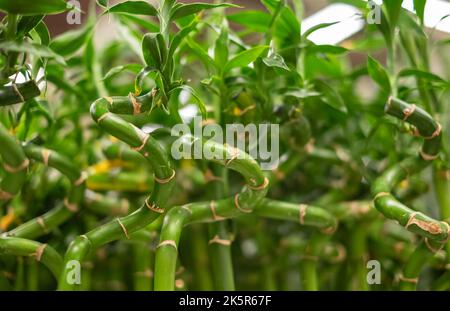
[
  {"x": 15, "y": 164},
  {"x": 143, "y": 257},
  {"x": 308, "y": 263},
  {"x": 220, "y": 253},
  {"x": 45, "y": 223},
  {"x": 40, "y": 252},
  {"x": 384, "y": 201},
  {"x": 421, "y": 256},
  {"x": 166, "y": 253},
  {"x": 121, "y": 182},
  {"x": 104, "y": 112}
]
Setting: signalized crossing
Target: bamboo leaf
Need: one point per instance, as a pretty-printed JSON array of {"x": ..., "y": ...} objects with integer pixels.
[
  {"x": 317, "y": 27},
  {"x": 197, "y": 99},
  {"x": 378, "y": 74},
  {"x": 221, "y": 48},
  {"x": 27, "y": 23},
  {"x": 330, "y": 96},
  {"x": 192, "y": 8},
  {"x": 393, "y": 8},
  {"x": 32, "y": 48},
  {"x": 133, "y": 68},
  {"x": 326, "y": 49},
  {"x": 27, "y": 7},
  {"x": 180, "y": 36},
  {"x": 133, "y": 7},
  {"x": 254, "y": 20},
  {"x": 71, "y": 41},
  {"x": 419, "y": 7},
  {"x": 246, "y": 57},
  {"x": 421, "y": 74}
]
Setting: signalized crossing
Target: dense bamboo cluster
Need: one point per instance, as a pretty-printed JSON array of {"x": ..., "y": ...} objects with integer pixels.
[{"x": 89, "y": 187}]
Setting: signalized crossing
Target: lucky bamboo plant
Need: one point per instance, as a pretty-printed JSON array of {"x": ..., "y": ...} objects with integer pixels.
[{"x": 90, "y": 186}]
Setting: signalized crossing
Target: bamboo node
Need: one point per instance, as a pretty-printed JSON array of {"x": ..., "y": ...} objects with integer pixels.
[
  {"x": 148, "y": 273},
  {"x": 217, "y": 240},
  {"x": 109, "y": 99},
  {"x": 436, "y": 133},
  {"x": 41, "y": 222},
  {"x": 144, "y": 142},
  {"x": 123, "y": 228},
  {"x": 428, "y": 157},
  {"x": 236, "y": 203},
  {"x": 165, "y": 180},
  {"x": 407, "y": 112},
  {"x": 408, "y": 280},
  {"x": 103, "y": 116},
  {"x": 136, "y": 105},
  {"x": 81, "y": 179},
  {"x": 329, "y": 230},
  {"x": 153, "y": 207},
  {"x": 5, "y": 195},
  {"x": 212, "y": 207},
  {"x": 39, "y": 252},
  {"x": 168, "y": 242},
  {"x": 12, "y": 169},
  {"x": 45, "y": 156},
  {"x": 16, "y": 90},
  {"x": 234, "y": 152},
  {"x": 430, "y": 247},
  {"x": 309, "y": 257},
  {"x": 72, "y": 207},
  {"x": 430, "y": 227},
  {"x": 302, "y": 213},
  {"x": 260, "y": 187},
  {"x": 381, "y": 194}
]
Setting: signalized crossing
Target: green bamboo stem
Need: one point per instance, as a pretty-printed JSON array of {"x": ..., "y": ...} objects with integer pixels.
[
  {"x": 43, "y": 224},
  {"x": 40, "y": 252},
  {"x": 220, "y": 256},
  {"x": 384, "y": 201},
  {"x": 15, "y": 165},
  {"x": 220, "y": 253},
  {"x": 419, "y": 258},
  {"x": 18, "y": 93},
  {"x": 121, "y": 182},
  {"x": 143, "y": 257},
  {"x": 178, "y": 217},
  {"x": 105, "y": 206},
  {"x": 308, "y": 263},
  {"x": 199, "y": 259},
  {"x": 104, "y": 111}
]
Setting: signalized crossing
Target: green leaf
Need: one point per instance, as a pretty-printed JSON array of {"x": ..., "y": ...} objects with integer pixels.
[
  {"x": 317, "y": 27},
  {"x": 221, "y": 48},
  {"x": 151, "y": 50},
  {"x": 134, "y": 7},
  {"x": 330, "y": 96},
  {"x": 42, "y": 30},
  {"x": 139, "y": 80},
  {"x": 421, "y": 74},
  {"x": 393, "y": 8},
  {"x": 326, "y": 49},
  {"x": 103, "y": 3},
  {"x": 197, "y": 99},
  {"x": 246, "y": 57},
  {"x": 419, "y": 7},
  {"x": 27, "y": 23},
  {"x": 378, "y": 74},
  {"x": 254, "y": 20},
  {"x": 193, "y": 8},
  {"x": 133, "y": 68},
  {"x": 71, "y": 41},
  {"x": 299, "y": 92},
  {"x": 37, "y": 7},
  {"x": 201, "y": 54},
  {"x": 135, "y": 20},
  {"x": 31, "y": 48},
  {"x": 178, "y": 38}
]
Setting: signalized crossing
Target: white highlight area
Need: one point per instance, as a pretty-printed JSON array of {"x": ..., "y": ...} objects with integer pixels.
[{"x": 350, "y": 21}]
